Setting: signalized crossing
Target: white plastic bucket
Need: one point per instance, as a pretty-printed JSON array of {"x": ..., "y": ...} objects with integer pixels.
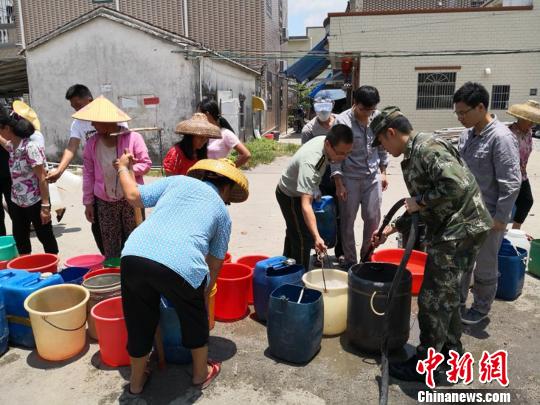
[
  {"x": 518, "y": 238},
  {"x": 335, "y": 298},
  {"x": 58, "y": 319}
]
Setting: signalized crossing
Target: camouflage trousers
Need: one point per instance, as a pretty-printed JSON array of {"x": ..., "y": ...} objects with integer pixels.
[{"x": 439, "y": 315}]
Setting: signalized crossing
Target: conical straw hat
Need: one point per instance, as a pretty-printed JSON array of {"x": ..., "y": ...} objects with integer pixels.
[
  {"x": 198, "y": 125},
  {"x": 101, "y": 110},
  {"x": 529, "y": 111},
  {"x": 25, "y": 111},
  {"x": 223, "y": 167}
]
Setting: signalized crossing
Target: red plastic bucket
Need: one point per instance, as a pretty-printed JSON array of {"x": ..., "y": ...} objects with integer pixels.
[
  {"x": 228, "y": 258},
  {"x": 232, "y": 292},
  {"x": 91, "y": 262},
  {"x": 105, "y": 270},
  {"x": 40, "y": 262},
  {"x": 111, "y": 331},
  {"x": 416, "y": 264},
  {"x": 251, "y": 261}
]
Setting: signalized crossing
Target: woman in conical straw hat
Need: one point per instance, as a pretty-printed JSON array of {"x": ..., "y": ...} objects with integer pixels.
[
  {"x": 527, "y": 115},
  {"x": 29, "y": 190},
  {"x": 176, "y": 253},
  {"x": 100, "y": 179},
  {"x": 193, "y": 147}
]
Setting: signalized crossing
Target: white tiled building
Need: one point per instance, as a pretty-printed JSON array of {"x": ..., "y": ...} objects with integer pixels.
[{"x": 418, "y": 58}]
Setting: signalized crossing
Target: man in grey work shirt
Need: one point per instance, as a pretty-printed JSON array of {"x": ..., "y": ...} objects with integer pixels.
[
  {"x": 321, "y": 124},
  {"x": 297, "y": 186},
  {"x": 491, "y": 152},
  {"x": 361, "y": 178}
]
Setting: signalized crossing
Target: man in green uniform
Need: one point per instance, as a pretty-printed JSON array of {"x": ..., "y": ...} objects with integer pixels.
[
  {"x": 299, "y": 184},
  {"x": 448, "y": 199}
]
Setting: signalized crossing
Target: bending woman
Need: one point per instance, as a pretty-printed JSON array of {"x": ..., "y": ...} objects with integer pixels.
[{"x": 176, "y": 252}]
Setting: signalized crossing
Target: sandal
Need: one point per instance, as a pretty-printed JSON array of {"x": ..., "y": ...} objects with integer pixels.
[
  {"x": 130, "y": 395},
  {"x": 60, "y": 214},
  {"x": 214, "y": 372}
]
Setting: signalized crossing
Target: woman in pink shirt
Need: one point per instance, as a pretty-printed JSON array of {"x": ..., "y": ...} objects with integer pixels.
[
  {"x": 220, "y": 148},
  {"x": 100, "y": 178},
  {"x": 527, "y": 115}
]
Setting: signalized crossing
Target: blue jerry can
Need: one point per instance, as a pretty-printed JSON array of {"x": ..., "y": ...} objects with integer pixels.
[
  {"x": 325, "y": 213},
  {"x": 295, "y": 328},
  {"x": 171, "y": 335},
  {"x": 4, "y": 331},
  {"x": 15, "y": 292},
  {"x": 268, "y": 275}
]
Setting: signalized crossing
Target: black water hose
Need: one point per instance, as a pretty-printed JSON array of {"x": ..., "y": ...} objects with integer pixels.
[
  {"x": 383, "y": 395},
  {"x": 387, "y": 218}
]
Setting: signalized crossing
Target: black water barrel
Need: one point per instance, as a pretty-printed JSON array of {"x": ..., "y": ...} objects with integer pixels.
[{"x": 369, "y": 284}]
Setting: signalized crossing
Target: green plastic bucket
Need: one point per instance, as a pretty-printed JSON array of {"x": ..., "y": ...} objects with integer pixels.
[
  {"x": 8, "y": 248},
  {"x": 534, "y": 258}
]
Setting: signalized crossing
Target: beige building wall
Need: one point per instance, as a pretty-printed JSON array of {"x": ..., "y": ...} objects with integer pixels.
[
  {"x": 397, "y": 78},
  {"x": 298, "y": 45}
]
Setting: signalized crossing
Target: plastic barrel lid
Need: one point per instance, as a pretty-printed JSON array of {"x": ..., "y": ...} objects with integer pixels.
[{"x": 102, "y": 281}]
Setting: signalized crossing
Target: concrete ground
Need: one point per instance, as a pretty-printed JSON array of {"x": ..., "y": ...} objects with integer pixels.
[{"x": 338, "y": 374}]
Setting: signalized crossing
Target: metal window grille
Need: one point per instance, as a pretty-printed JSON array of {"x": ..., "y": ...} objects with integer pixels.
[
  {"x": 6, "y": 12},
  {"x": 435, "y": 90},
  {"x": 477, "y": 3},
  {"x": 269, "y": 7},
  {"x": 4, "y": 36},
  {"x": 269, "y": 90},
  {"x": 500, "y": 94}
]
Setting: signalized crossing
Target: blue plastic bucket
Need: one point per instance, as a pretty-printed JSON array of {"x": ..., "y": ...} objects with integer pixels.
[
  {"x": 73, "y": 275},
  {"x": 512, "y": 264},
  {"x": 295, "y": 323}
]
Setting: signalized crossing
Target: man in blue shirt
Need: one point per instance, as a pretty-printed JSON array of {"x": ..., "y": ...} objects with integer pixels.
[{"x": 178, "y": 253}]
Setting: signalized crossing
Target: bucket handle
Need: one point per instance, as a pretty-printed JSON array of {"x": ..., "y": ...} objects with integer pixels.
[
  {"x": 372, "y": 307},
  {"x": 44, "y": 318}
]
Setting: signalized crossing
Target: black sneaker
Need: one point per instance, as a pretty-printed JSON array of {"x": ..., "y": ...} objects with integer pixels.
[
  {"x": 406, "y": 371},
  {"x": 472, "y": 317}
]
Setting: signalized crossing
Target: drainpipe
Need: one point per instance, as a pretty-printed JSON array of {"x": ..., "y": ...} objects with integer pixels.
[
  {"x": 186, "y": 21},
  {"x": 117, "y": 5},
  {"x": 201, "y": 67},
  {"x": 21, "y": 23}
]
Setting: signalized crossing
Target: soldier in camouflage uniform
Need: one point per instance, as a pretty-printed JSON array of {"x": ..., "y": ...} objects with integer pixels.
[{"x": 447, "y": 197}]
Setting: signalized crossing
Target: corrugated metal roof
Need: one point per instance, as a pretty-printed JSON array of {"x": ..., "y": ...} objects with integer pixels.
[{"x": 13, "y": 78}]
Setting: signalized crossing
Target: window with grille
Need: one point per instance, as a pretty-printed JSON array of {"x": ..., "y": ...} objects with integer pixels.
[
  {"x": 4, "y": 37},
  {"x": 477, "y": 3},
  {"x": 269, "y": 7},
  {"x": 500, "y": 94},
  {"x": 6, "y": 12},
  {"x": 435, "y": 90},
  {"x": 269, "y": 90}
]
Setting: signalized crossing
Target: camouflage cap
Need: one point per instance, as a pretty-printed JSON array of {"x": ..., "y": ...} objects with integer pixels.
[{"x": 381, "y": 122}]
